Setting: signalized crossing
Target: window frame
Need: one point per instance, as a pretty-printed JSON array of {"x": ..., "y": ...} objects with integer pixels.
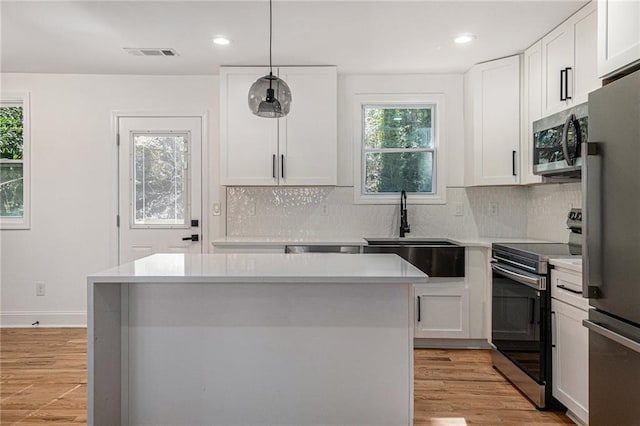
[
  {"x": 436, "y": 101},
  {"x": 23, "y": 99}
]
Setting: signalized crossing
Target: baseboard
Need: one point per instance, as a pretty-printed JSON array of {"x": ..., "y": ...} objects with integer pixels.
[
  {"x": 22, "y": 319},
  {"x": 451, "y": 343}
]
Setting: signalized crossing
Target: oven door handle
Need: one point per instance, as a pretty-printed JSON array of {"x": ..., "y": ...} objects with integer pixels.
[{"x": 538, "y": 283}]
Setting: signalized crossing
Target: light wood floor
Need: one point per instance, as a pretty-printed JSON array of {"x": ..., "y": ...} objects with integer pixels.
[{"x": 43, "y": 381}]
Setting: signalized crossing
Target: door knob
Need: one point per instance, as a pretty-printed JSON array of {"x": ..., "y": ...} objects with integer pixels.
[{"x": 193, "y": 237}]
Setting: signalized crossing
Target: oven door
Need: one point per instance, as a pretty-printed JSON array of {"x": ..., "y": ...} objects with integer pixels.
[{"x": 519, "y": 318}]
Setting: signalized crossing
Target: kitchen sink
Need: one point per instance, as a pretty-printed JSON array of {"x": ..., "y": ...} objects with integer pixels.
[{"x": 434, "y": 257}]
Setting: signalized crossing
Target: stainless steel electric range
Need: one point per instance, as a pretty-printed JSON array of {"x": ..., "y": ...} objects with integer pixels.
[{"x": 521, "y": 317}]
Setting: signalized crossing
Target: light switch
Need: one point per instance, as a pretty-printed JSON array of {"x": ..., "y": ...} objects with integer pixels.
[{"x": 216, "y": 209}]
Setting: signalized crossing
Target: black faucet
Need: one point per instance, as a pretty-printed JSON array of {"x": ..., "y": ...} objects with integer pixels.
[{"x": 405, "y": 228}]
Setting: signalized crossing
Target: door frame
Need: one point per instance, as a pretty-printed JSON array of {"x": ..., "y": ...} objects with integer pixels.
[{"x": 204, "y": 188}]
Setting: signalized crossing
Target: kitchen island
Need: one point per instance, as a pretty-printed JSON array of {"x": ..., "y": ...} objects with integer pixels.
[{"x": 252, "y": 339}]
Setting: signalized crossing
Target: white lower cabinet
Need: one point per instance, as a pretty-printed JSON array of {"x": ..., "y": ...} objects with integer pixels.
[
  {"x": 442, "y": 309},
  {"x": 570, "y": 347}
]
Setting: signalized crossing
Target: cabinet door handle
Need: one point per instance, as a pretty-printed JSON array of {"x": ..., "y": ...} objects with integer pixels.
[
  {"x": 562, "y": 80},
  {"x": 282, "y": 164},
  {"x": 566, "y": 83},
  {"x": 554, "y": 329},
  {"x": 570, "y": 290},
  {"x": 273, "y": 166},
  {"x": 418, "y": 308},
  {"x": 513, "y": 162}
]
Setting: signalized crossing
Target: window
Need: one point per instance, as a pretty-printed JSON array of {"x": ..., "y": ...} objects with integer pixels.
[
  {"x": 14, "y": 161},
  {"x": 399, "y": 142},
  {"x": 160, "y": 184}
]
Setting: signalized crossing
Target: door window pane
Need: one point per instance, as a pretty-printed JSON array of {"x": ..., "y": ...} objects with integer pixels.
[{"x": 160, "y": 195}]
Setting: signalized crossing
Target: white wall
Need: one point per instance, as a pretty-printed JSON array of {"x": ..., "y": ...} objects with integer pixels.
[{"x": 74, "y": 187}]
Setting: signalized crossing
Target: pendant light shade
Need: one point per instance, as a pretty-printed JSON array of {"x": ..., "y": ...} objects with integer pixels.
[{"x": 269, "y": 96}]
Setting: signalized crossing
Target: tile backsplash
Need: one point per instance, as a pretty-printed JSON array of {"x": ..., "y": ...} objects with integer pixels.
[
  {"x": 329, "y": 212},
  {"x": 547, "y": 208}
]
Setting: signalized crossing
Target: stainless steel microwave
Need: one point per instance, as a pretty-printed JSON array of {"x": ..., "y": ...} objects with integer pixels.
[{"x": 557, "y": 141}]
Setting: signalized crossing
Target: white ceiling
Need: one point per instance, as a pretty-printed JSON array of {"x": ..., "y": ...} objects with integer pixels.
[{"x": 358, "y": 36}]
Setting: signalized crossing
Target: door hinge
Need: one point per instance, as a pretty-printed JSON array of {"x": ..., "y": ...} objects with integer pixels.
[{"x": 118, "y": 221}]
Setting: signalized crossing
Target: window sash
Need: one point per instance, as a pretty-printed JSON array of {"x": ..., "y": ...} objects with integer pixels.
[
  {"x": 20, "y": 100},
  {"x": 365, "y": 150}
]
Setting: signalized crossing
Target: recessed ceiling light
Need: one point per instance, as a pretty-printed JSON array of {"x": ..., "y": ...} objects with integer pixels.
[
  {"x": 221, "y": 41},
  {"x": 464, "y": 38}
]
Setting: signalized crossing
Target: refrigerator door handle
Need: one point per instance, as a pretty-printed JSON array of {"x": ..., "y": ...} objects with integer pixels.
[
  {"x": 592, "y": 220},
  {"x": 611, "y": 335}
]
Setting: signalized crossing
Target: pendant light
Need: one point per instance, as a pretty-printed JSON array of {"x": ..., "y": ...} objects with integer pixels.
[{"x": 270, "y": 96}]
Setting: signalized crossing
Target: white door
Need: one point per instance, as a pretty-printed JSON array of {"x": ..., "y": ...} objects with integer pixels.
[{"x": 160, "y": 179}]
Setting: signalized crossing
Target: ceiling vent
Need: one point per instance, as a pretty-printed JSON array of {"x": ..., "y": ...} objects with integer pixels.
[{"x": 151, "y": 52}]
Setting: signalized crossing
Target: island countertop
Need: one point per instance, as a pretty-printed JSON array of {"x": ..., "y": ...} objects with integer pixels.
[
  {"x": 264, "y": 268},
  {"x": 252, "y": 339}
]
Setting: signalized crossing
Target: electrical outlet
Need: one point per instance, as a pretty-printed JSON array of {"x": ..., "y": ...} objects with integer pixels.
[
  {"x": 40, "y": 289},
  {"x": 216, "y": 209},
  {"x": 325, "y": 210},
  {"x": 458, "y": 209},
  {"x": 493, "y": 209}
]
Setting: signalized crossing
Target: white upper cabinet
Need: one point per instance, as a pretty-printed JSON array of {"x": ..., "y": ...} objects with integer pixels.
[
  {"x": 308, "y": 134},
  {"x": 299, "y": 149},
  {"x": 531, "y": 111},
  {"x": 618, "y": 35},
  {"x": 492, "y": 116},
  {"x": 569, "y": 61}
]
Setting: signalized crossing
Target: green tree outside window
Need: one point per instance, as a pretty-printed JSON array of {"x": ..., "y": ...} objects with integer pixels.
[
  {"x": 11, "y": 161},
  {"x": 398, "y": 149}
]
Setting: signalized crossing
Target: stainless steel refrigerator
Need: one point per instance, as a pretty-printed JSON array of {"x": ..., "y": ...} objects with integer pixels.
[{"x": 611, "y": 258}]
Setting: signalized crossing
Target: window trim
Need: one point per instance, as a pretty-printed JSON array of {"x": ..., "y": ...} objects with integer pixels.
[
  {"x": 434, "y": 100},
  {"x": 23, "y": 222}
]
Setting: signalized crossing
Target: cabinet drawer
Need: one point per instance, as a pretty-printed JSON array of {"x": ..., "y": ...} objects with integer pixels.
[{"x": 566, "y": 286}]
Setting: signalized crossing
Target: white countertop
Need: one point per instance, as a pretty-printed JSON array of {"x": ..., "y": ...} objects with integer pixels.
[
  {"x": 264, "y": 268},
  {"x": 358, "y": 241},
  {"x": 570, "y": 263}
]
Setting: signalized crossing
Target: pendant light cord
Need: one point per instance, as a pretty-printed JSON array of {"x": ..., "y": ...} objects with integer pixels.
[{"x": 270, "y": 38}]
